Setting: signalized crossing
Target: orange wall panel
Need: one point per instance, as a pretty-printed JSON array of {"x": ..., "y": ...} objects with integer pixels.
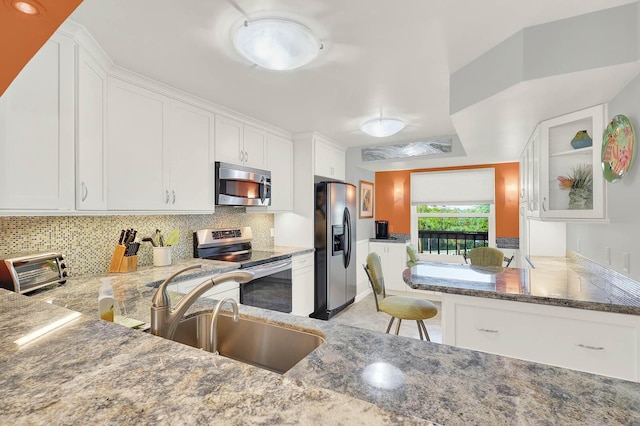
[
  {"x": 393, "y": 198},
  {"x": 21, "y": 36}
]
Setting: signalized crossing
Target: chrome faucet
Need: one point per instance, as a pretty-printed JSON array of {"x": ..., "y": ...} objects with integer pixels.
[
  {"x": 164, "y": 319},
  {"x": 214, "y": 321}
]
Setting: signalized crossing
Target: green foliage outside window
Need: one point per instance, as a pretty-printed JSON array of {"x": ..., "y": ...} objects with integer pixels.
[{"x": 458, "y": 224}]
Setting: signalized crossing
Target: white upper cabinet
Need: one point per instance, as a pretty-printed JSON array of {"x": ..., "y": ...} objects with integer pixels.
[
  {"x": 280, "y": 163},
  {"x": 530, "y": 174},
  {"x": 329, "y": 161},
  {"x": 91, "y": 171},
  {"x": 37, "y": 132},
  {"x": 190, "y": 155},
  {"x": 239, "y": 143},
  {"x": 571, "y": 181},
  {"x": 160, "y": 152},
  {"x": 135, "y": 138}
]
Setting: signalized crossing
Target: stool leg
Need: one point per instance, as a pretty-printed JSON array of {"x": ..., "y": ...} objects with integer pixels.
[
  {"x": 419, "y": 330},
  {"x": 398, "y": 326},
  {"x": 425, "y": 330},
  {"x": 390, "y": 324}
]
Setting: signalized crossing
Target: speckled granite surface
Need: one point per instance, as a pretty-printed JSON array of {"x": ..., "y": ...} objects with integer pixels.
[
  {"x": 94, "y": 372},
  {"x": 555, "y": 281}
]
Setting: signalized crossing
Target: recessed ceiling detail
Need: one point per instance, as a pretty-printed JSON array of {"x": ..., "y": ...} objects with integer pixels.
[{"x": 410, "y": 149}]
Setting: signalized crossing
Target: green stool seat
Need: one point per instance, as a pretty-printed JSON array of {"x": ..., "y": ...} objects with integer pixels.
[{"x": 400, "y": 307}]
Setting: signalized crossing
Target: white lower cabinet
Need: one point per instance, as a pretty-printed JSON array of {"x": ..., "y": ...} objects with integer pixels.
[
  {"x": 596, "y": 342},
  {"x": 303, "y": 291},
  {"x": 223, "y": 290},
  {"x": 393, "y": 257}
]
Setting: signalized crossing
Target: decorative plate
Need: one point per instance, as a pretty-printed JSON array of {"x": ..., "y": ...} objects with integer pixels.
[{"x": 618, "y": 145}]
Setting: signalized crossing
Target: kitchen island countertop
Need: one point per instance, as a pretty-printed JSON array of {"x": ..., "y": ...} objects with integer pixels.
[
  {"x": 556, "y": 281},
  {"x": 99, "y": 372}
]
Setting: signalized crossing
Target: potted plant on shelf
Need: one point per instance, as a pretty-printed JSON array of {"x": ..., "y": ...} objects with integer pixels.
[{"x": 580, "y": 185}]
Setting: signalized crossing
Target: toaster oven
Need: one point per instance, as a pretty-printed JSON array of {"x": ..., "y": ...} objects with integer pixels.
[{"x": 23, "y": 273}]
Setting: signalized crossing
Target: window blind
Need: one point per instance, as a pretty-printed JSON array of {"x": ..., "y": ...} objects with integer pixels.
[{"x": 459, "y": 187}]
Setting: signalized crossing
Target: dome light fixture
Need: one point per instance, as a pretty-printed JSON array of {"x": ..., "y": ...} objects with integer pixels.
[
  {"x": 383, "y": 127},
  {"x": 276, "y": 44}
]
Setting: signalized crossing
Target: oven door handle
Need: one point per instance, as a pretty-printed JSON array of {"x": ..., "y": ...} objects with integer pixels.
[{"x": 269, "y": 268}]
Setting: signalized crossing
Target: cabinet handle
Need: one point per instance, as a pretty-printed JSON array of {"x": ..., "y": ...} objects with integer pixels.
[
  {"x": 246, "y": 156},
  {"x": 166, "y": 196},
  {"x": 173, "y": 193},
  {"x": 593, "y": 348},
  {"x": 522, "y": 211},
  {"x": 242, "y": 156},
  {"x": 522, "y": 193},
  {"x": 543, "y": 201},
  {"x": 486, "y": 330},
  {"x": 85, "y": 191}
]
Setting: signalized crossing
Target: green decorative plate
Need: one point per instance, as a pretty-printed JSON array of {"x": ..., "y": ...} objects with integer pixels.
[{"x": 618, "y": 146}]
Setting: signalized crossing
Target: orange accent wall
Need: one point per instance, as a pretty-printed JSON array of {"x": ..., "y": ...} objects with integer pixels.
[
  {"x": 393, "y": 198},
  {"x": 21, "y": 36}
]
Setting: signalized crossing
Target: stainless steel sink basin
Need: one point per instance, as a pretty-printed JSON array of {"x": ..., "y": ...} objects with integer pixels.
[{"x": 264, "y": 345}]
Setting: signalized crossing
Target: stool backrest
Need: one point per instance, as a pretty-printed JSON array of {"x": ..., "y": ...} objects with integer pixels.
[
  {"x": 486, "y": 256},
  {"x": 413, "y": 256},
  {"x": 373, "y": 269}
]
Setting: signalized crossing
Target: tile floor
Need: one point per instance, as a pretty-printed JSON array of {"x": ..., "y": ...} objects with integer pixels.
[{"x": 363, "y": 315}]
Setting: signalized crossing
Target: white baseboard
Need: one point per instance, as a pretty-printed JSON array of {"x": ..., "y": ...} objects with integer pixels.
[{"x": 362, "y": 295}]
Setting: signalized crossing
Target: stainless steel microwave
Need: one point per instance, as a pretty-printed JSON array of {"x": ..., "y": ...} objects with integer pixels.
[{"x": 242, "y": 186}]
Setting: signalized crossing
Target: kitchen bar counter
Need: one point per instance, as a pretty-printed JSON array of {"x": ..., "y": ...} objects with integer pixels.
[
  {"x": 90, "y": 371},
  {"x": 558, "y": 282}
]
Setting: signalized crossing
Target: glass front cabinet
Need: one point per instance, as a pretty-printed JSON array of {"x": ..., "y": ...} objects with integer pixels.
[{"x": 571, "y": 184}]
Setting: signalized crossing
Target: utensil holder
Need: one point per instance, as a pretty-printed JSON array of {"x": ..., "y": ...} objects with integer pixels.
[
  {"x": 161, "y": 256},
  {"x": 122, "y": 263}
]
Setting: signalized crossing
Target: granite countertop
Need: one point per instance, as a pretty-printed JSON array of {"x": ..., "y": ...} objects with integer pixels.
[
  {"x": 559, "y": 282},
  {"x": 91, "y": 371}
]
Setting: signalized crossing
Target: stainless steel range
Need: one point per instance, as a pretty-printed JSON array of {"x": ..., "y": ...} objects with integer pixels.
[{"x": 271, "y": 285}]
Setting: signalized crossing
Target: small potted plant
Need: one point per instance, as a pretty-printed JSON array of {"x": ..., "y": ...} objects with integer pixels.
[
  {"x": 162, "y": 246},
  {"x": 580, "y": 185}
]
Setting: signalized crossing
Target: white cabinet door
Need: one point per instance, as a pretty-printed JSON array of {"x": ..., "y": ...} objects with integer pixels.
[
  {"x": 135, "y": 160},
  {"x": 280, "y": 163},
  {"x": 303, "y": 292},
  {"x": 329, "y": 161},
  {"x": 254, "y": 147},
  {"x": 558, "y": 159},
  {"x": 37, "y": 132},
  {"x": 394, "y": 261},
  {"x": 91, "y": 171},
  {"x": 190, "y": 157},
  {"x": 595, "y": 342},
  {"x": 532, "y": 177},
  {"x": 228, "y": 140}
]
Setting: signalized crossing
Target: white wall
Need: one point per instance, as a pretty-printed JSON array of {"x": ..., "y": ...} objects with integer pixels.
[
  {"x": 622, "y": 234},
  {"x": 365, "y": 227}
]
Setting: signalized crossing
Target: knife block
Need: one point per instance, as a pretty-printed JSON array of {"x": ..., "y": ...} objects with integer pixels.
[{"x": 122, "y": 263}]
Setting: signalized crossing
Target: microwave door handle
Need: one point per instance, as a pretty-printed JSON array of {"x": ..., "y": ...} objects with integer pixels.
[{"x": 263, "y": 189}]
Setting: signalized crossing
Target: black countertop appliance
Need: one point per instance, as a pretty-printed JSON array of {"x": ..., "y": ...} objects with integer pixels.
[{"x": 382, "y": 229}]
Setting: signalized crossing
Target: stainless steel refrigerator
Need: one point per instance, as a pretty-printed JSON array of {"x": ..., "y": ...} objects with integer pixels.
[{"x": 335, "y": 244}]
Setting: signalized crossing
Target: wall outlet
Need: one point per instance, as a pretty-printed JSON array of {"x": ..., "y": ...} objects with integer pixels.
[
  {"x": 626, "y": 261},
  {"x": 273, "y": 232},
  {"x": 607, "y": 255}
]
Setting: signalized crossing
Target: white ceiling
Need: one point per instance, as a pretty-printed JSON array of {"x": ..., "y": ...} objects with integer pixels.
[{"x": 379, "y": 55}]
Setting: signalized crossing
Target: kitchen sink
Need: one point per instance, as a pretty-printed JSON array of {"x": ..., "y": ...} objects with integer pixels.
[{"x": 264, "y": 345}]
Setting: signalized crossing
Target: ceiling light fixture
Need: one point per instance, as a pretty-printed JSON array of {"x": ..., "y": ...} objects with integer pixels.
[
  {"x": 276, "y": 44},
  {"x": 383, "y": 127},
  {"x": 27, "y": 7}
]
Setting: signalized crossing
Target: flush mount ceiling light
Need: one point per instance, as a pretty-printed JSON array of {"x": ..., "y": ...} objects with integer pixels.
[
  {"x": 382, "y": 127},
  {"x": 276, "y": 44},
  {"x": 27, "y": 7}
]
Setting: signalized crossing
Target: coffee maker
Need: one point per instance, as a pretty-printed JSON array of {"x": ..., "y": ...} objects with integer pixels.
[{"x": 382, "y": 229}]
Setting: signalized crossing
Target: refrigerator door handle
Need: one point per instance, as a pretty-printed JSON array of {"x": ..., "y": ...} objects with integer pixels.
[{"x": 346, "y": 220}]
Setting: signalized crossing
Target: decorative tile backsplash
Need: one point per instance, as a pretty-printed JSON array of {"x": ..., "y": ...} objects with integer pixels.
[{"x": 88, "y": 241}]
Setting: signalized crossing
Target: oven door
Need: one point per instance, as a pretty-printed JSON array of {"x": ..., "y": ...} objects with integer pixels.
[{"x": 270, "y": 288}]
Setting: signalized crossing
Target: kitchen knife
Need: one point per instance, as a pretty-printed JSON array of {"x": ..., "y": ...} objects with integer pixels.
[{"x": 121, "y": 240}]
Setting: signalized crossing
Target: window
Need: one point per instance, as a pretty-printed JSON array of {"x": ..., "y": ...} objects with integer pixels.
[{"x": 452, "y": 230}]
